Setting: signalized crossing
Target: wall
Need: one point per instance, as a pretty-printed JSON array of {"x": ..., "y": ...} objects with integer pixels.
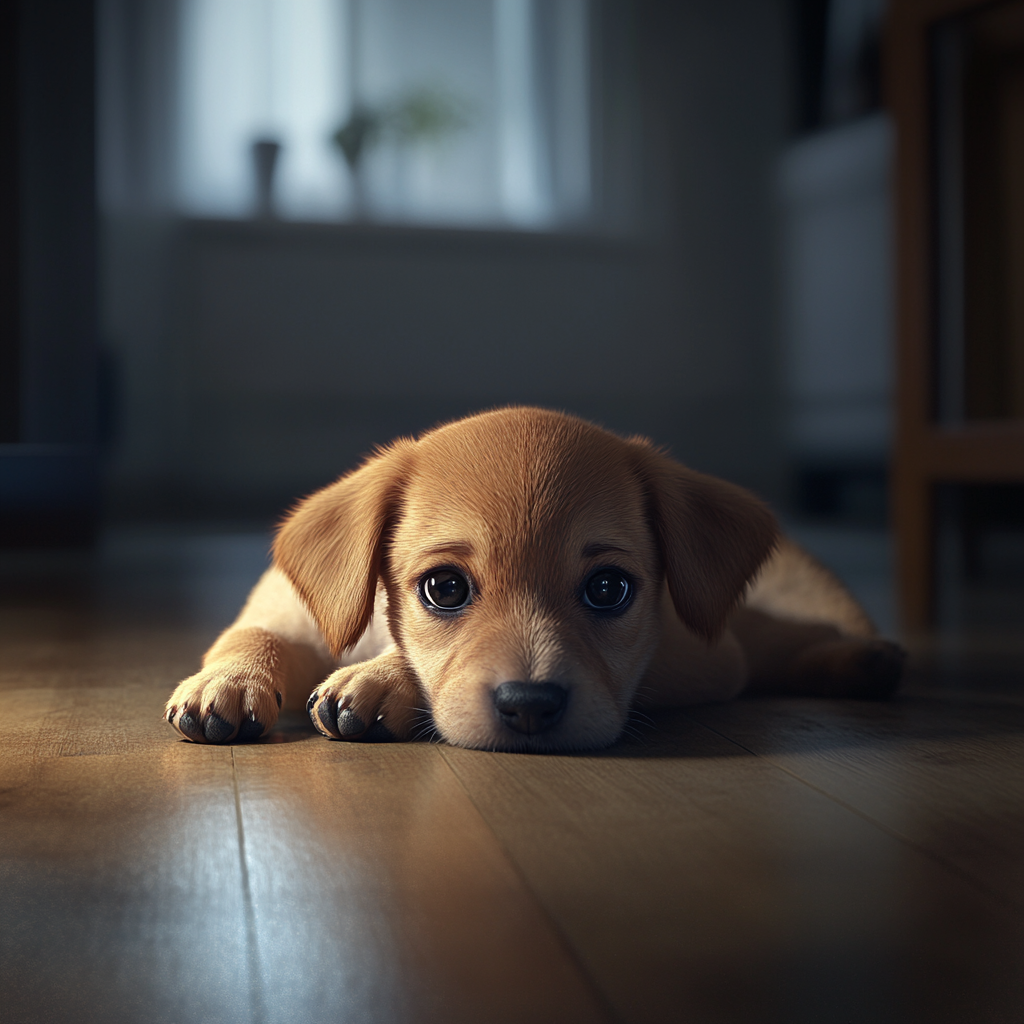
[{"x": 260, "y": 360}]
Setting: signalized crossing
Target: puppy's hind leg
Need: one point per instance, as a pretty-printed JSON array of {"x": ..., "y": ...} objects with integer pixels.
[{"x": 802, "y": 632}]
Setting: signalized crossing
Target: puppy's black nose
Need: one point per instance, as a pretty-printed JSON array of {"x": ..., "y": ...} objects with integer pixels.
[{"x": 530, "y": 708}]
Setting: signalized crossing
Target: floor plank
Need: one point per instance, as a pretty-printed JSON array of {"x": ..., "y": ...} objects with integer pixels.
[
  {"x": 945, "y": 775},
  {"x": 697, "y": 881},
  {"x": 121, "y": 890},
  {"x": 404, "y": 906}
]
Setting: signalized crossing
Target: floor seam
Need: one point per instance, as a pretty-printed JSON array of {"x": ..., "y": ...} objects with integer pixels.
[
  {"x": 1001, "y": 900},
  {"x": 563, "y": 939},
  {"x": 259, "y": 1015}
]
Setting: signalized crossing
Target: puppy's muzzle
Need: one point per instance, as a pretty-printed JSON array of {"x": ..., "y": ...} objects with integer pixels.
[{"x": 530, "y": 708}]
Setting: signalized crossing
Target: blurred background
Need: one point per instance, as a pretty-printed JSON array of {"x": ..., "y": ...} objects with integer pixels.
[{"x": 244, "y": 241}]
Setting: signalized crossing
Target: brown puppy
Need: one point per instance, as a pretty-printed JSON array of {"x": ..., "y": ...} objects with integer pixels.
[{"x": 523, "y": 578}]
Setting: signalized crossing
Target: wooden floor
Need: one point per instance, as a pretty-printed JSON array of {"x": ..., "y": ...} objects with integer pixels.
[{"x": 780, "y": 861}]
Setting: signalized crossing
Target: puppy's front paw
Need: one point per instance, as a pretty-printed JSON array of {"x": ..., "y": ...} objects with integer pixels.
[
  {"x": 227, "y": 701},
  {"x": 373, "y": 701}
]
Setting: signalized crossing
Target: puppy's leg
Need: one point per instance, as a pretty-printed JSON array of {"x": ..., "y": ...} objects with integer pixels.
[
  {"x": 271, "y": 652},
  {"x": 373, "y": 700},
  {"x": 803, "y": 632}
]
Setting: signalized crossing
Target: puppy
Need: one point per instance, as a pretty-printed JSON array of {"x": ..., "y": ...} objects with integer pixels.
[{"x": 521, "y": 579}]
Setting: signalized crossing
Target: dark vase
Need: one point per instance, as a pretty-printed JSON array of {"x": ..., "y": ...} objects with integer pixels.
[{"x": 265, "y": 154}]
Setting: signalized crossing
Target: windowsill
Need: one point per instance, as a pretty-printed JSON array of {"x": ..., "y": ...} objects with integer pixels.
[{"x": 411, "y": 236}]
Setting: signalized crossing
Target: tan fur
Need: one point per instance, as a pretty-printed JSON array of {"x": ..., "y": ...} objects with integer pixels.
[
  {"x": 793, "y": 585},
  {"x": 526, "y": 503}
]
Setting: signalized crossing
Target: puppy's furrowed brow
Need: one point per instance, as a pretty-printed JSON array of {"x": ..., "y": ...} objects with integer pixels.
[
  {"x": 459, "y": 548},
  {"x": 597, "y": 548}
]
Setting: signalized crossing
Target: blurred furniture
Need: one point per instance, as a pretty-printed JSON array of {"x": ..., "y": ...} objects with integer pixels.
[
  {"x": 955, "y": 85},
  {"x": 837, "y": 299},
  {"x": 49, "y": 386}
]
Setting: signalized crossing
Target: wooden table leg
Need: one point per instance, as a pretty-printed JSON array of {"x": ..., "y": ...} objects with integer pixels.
[{"x": 913, "y": 516}]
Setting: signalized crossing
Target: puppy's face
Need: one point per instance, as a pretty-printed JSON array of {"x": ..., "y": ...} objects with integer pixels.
[
  {"x": 523, "y": 582},
  {"x": 525, "y": 554}
]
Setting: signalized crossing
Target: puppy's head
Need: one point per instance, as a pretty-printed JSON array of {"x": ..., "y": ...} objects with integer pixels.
[{"x": 524, "y": 554}]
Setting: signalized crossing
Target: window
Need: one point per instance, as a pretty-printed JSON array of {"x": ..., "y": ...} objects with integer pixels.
[{"x": 456, "y": 111}]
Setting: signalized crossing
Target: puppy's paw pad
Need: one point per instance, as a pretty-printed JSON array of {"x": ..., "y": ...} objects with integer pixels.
[
  {"x": 189, "y": 727},
  {"x": 342, "y": 723},
  {"x": 216, "y": 729},
  {"x": 349, "y": 724},
  {"x": 334, "y": 719},
  {"x": 250, "y": 729},
  {"x": 323, "y": 713}
]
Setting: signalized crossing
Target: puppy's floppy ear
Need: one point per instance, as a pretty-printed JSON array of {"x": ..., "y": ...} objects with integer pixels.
[
  {"x": 713, "y": 538},
  {"x": 331, "y": 545}
]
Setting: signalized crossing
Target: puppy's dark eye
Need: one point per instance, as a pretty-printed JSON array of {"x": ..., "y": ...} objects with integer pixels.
[
  {"x": 446, "y": 589},
  {"x": 607, "y": 589}
]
